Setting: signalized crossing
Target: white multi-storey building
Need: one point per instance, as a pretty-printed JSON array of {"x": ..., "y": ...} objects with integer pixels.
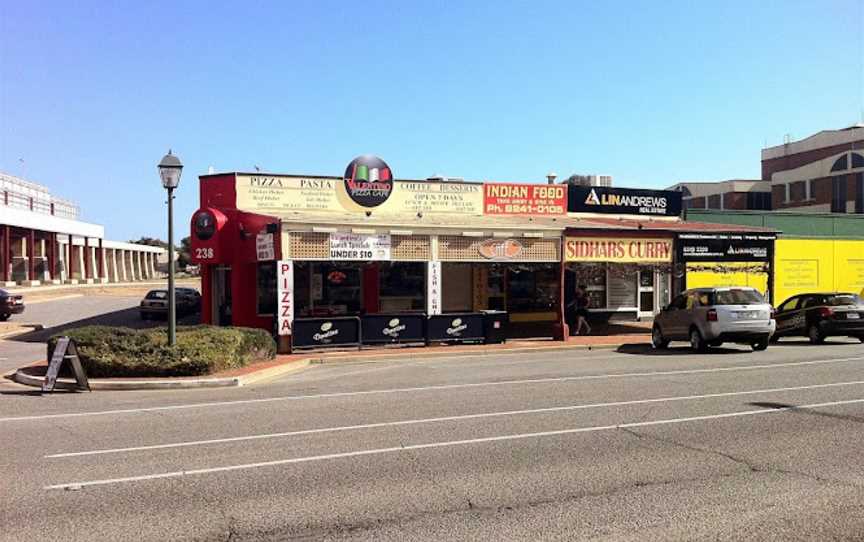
[{"x": 42, "y": 241}]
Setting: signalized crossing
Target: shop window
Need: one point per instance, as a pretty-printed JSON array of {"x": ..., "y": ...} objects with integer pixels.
[
  {"x": 715, "y": 201},
  {"x": 857, "y": 160},
  {"x": 325, "y": 289},
  {"x": 531, "y": 287},
  {"x": 266, "y": 288},
  {"x": 593, "y": 278},
  {"x": 402, "y": 286},
  {"x": 838, "y": 194}
]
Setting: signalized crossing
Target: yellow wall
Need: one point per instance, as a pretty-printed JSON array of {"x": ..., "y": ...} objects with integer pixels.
[
  {"x": 813, "y": 265},
  {"x": 739, "y": 277}
]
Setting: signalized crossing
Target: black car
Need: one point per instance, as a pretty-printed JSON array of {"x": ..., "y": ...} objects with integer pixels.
[
  {"x": 10, "y": 304},
  {"x": 817, "y": 316},
  {"x": 155, "y": 303}
]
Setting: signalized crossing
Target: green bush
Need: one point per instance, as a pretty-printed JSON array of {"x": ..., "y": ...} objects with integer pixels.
[{"x": 107, "y": 351}]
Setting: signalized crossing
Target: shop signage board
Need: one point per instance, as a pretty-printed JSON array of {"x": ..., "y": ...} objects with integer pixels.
[
  {"x": 264, "y": 247},
  {"x": 501, "y": 249},
  {"x": 618, "y": 249},
  {"x": 368, "y": 181},
  {"x": 724, "y": 247},
  {"x": 284, "y": 194},
  {"x": 318, "y": 332},
  {"x": 285, "y": 294},
  {"x": 359, "y": 247},
  {"x": 393, "y": 328},
  {"x": 433, "y": 288},
  {"x": 623, "y": 201},
  {"x": 524, "y": 199}
]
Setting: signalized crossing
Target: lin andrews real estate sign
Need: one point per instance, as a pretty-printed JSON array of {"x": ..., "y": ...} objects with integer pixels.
[{"x": 623, "y": 201}]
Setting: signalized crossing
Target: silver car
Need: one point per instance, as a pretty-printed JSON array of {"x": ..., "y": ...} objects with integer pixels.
[{"x": 711, "y": 316}]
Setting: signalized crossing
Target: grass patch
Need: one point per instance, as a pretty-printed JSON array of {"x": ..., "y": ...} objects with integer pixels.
[{"x": 107, "y": 351}]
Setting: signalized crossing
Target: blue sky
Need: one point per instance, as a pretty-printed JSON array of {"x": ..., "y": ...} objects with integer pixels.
[{"x": 92, "y": 94}]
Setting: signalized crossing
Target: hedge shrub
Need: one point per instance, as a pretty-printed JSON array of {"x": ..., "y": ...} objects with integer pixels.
[{"x": 107, "y": 351}]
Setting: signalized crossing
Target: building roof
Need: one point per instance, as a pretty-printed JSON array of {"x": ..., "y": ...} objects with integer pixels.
[
  {"x": 697, "y": 189},
  {"x": 825, "y": 138}
]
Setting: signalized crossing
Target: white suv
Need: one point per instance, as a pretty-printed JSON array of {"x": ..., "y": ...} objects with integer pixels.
[{"x": 711, "y": 316}]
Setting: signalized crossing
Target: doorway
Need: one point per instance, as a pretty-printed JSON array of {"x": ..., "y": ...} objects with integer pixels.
[{"x": 221, "y": 288}]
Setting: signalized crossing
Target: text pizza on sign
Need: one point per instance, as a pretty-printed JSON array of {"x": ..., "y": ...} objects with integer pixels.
[
  {"x": 624, "y": 250},
  {"x": 524, "y": 199}
]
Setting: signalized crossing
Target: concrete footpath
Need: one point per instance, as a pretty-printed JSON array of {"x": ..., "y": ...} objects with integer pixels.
[{"x": 33, "y": 375}]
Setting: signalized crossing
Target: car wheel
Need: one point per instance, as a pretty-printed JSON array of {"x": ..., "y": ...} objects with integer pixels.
[
  {"x": 774, "y": 339},
  {"x": 760, "y": 345},
  {"x": 4, "y": 317},
  {"x": 860, "y": 338},
  {"x": 658, "y": 341},
  {"x": 696, "y": 342},
  {"x": 815, "y": 335}
]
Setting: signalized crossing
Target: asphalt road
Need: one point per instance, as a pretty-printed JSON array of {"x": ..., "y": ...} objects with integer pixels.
[
  {"x": 56, "y": 315},
  {"x": 628, "y": 445}
]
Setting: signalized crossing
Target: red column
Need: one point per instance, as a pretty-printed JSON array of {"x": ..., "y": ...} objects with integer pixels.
[
  {"x": 206, "y": 295},
  {"x": 102, "y": 269},
  {"x": 87, "y": 263},
  {"x": 70, "y": 261},
  {"x": 31, "y": 253},
  {"x": 52, "y": 255},
  {"x": 6, "y": 256}
]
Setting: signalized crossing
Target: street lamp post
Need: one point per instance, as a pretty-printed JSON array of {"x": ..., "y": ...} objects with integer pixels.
[{"x": 170, "y": 169}]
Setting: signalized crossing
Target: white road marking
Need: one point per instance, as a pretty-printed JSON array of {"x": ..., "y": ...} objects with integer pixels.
[
  {"x": 445, "y": 419},
  {"x": 429, "y": 388},
  {"x": 444, "y": 444}
]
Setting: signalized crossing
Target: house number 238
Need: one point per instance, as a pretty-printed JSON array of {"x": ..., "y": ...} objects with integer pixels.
[{"x": 204, "y": 253}]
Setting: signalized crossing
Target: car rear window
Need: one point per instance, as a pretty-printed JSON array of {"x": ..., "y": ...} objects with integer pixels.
[
  {"x": 843, "y": 299},
  {"x": 738, "y": 297},
  {"x": 157, "y": 294}
]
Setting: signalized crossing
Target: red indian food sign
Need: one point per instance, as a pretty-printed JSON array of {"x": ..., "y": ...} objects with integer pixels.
[
  {"x": 617, "y": 249},
  {"x": 524, "y": 199}
]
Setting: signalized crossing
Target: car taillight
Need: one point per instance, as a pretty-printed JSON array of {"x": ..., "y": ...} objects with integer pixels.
[
  {"x": 711, "y": 315},
  {"x": 826, "y": 312}
]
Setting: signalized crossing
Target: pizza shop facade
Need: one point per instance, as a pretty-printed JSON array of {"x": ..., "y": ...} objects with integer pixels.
[{"x": 330, "y": 261}]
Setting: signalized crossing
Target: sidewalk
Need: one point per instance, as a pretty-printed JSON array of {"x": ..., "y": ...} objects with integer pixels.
[
  {"x": 45, "y": 293},
  {"x": 284, "y": 364}
]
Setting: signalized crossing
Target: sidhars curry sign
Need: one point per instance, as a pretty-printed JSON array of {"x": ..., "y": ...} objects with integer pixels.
[{"x": 618, "y": 249}]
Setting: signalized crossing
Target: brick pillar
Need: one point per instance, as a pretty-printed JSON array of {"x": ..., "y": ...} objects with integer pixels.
[
  {"x": 6, "y": 254},
  {"x": 31, "y": 255},
  {"x": 88, "y": 269},
  {"x": 70, "y": 261},
  {"x": 103, "y": 273}
]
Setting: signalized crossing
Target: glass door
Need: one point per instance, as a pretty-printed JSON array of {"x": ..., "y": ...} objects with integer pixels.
[{"x": 646, "y": 292}]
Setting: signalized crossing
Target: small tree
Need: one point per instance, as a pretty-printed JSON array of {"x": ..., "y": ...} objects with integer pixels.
[{"x": 184, "y": 256}]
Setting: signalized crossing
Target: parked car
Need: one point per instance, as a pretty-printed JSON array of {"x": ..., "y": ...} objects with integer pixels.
[
  {"x": 155, "y": 303},
  {"x": 711, "y": 316},
  {"x": 10, "y": 304},
  {"x": 817, "y": 316}
]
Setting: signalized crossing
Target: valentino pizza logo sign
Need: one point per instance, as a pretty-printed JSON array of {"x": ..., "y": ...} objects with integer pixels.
[
  {"x": 500, "y": 249},
  {"x": 368, "y": 181}
]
